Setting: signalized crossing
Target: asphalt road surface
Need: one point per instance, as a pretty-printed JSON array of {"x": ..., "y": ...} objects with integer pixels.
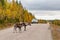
[{"x": 34, "y": 32}]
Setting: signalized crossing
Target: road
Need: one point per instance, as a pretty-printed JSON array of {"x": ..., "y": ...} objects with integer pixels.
[{"x": 34, "y": 32}]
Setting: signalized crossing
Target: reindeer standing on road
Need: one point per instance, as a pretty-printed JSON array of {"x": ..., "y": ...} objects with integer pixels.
[{"x": 20, "y": 25}]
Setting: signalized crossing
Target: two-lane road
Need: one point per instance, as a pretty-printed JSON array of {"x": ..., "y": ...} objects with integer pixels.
[{"x": 34, "y": 32}]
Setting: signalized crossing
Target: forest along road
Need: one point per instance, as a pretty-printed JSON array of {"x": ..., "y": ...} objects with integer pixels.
[{"x": 34, "y": 32}]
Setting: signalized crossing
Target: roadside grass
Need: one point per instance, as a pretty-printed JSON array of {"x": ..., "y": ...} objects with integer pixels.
[
  {"x": 5, "y": 25},
  {"x": 55, "y": 32}
]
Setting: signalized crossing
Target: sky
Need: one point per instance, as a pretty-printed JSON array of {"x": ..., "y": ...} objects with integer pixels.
[
  {"x": 43, "y": 9},
  {"x": 46, "y": 14},
  {"x": 41, "y": 4}
]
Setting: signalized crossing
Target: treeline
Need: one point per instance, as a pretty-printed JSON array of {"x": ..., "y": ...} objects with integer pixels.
[
  {"x": 42, "y": 21},
  {"x": 55, "y": 22},
  {"x": 12, "y": 12}
]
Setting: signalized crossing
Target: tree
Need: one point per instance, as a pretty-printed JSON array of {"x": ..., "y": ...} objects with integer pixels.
[{"x": 14, "y": 12}]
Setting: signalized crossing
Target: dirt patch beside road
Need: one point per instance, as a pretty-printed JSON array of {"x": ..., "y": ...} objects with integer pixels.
[{"x": 55, "y": 32}]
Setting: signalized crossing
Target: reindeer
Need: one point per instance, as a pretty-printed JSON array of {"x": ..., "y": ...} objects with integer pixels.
[{"x": 20, "y": 25}]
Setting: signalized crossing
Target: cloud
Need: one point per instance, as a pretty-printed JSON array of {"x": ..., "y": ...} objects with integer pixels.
[
  {"x": 48, "y": 15},
  {"x": 46, "y": 5},
  {"x": 41, "y": 4}
]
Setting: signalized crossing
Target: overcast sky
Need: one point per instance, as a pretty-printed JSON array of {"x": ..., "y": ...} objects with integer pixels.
[
  {"x": 43, "y": 9},
  {"x": 41, "y": 4},
  {"x": 47, "y": 15}
]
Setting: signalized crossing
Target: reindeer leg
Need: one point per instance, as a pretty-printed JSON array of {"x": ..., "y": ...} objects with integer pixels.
[
  {"x": 24, "y": 28},
  {"x": 15, "y": 29},
  {"x": 19, "y": 29}
]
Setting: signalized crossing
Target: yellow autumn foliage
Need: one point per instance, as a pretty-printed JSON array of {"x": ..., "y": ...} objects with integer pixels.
[{"x": 14, "y": 12}]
